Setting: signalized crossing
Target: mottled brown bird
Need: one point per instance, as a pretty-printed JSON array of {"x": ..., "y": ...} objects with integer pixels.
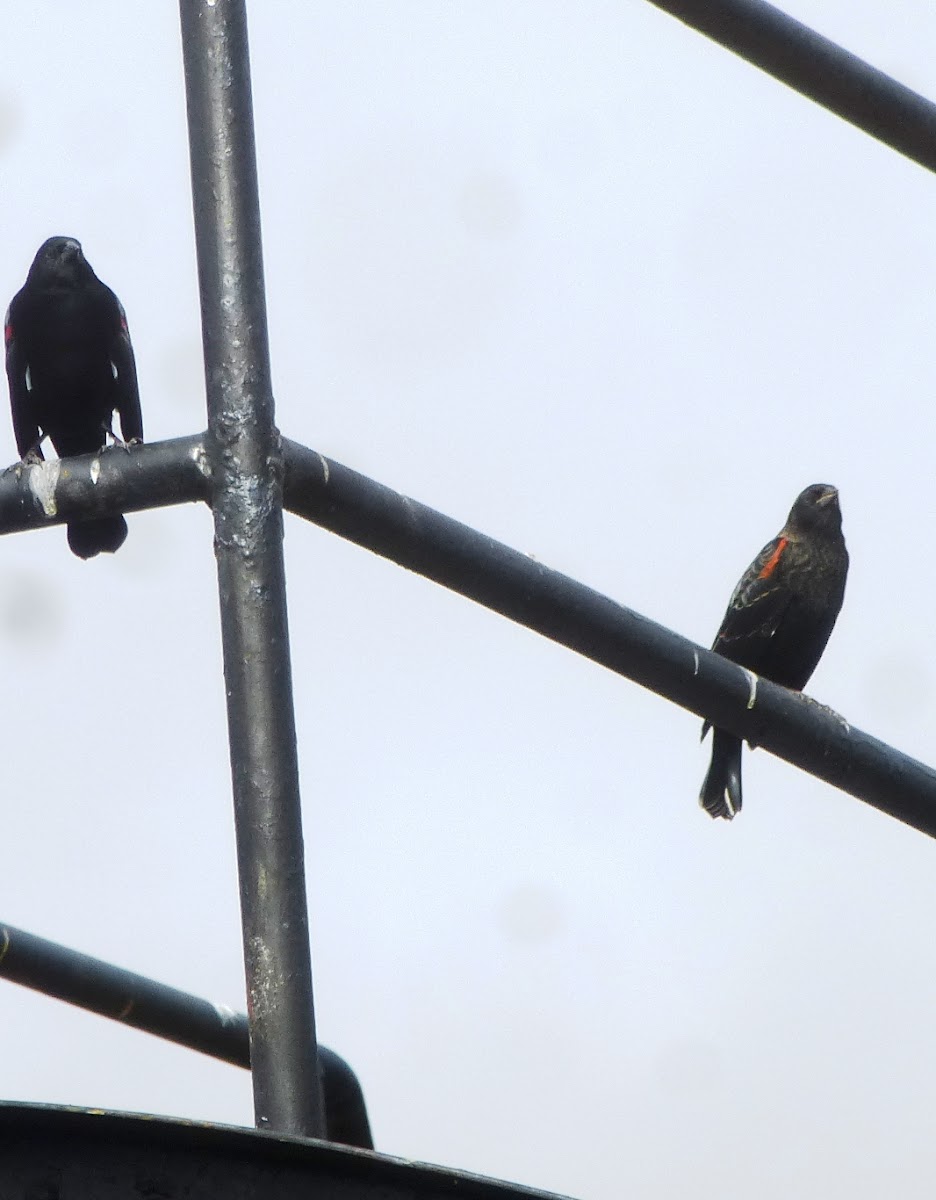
[{"x": 779, "y": 620}]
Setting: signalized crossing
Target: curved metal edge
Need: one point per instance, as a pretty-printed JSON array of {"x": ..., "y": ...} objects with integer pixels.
[{"x": 92, "y": 1139}]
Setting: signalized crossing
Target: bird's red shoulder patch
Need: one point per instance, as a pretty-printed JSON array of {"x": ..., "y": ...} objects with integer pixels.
[
  {"x": 7, "y": 330},
  {"x": 771, "y": 564}
]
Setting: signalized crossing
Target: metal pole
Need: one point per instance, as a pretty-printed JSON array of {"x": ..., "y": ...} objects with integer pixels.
[
  {"x": 246, "y": 459},
  {"x": 568, "y": 612},
  {"x": 169, "y": 1013},
  {"x": 819, "y": 69}
]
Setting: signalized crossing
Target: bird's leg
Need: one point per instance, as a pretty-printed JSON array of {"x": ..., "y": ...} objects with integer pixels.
[
  {"x": 117, "y": 443},
  {"x": 32, "y": 458},
  {"x": 34, "y": 454}
]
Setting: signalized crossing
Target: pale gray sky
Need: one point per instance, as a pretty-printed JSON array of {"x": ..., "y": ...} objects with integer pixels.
[{"x": 578, "y": 277}]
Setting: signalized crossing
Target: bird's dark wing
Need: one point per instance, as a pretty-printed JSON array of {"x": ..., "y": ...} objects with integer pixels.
[
  {"x": 755, "y": 611},
  {"x": 25, "y": 429},
  {"x": 128, "y": 391},
  {"x": 756, "y": 607}
]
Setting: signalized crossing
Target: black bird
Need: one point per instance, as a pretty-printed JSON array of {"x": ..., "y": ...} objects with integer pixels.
[
  {"x": 778, "y": 621},
  {"x": 70, "y": 364}
]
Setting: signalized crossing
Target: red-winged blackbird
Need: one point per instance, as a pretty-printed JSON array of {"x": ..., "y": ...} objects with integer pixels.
[
  {"x": 70, "y": 365},
  {"x": 778, "y": 621}
]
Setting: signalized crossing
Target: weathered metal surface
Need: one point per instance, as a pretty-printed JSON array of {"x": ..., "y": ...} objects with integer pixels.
[
  {"x": 75, "y": 1154},
  {"x": 246, "y": 459}
]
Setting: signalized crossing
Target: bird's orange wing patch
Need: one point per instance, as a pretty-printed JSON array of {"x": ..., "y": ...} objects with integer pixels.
[{"x": 771, "y": 564}]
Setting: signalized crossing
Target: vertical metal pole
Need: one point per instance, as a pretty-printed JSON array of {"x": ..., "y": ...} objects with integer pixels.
[{"x": 247, "y": 478}]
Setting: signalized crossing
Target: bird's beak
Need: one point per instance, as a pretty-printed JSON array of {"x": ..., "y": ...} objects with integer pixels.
[{"x": 830, "y": 494}]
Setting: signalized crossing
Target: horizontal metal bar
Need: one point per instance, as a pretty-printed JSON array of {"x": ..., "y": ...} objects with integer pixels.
[
  {"x": 819, "y": 69},
  {"x": 783, "y": 722},
  {"x": 142, "y": 1003},
  {"x": 98, "y": 485}
]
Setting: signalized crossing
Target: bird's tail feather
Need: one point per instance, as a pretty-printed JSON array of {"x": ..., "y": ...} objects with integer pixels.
[
  {"x": 721, "y": 791},
  {"x": 102, "y": 535}
]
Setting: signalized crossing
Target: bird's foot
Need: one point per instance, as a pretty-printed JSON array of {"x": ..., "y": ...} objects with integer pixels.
[
  {"x": 32, "y": 458},
  {"x": 121, "y": 445}
]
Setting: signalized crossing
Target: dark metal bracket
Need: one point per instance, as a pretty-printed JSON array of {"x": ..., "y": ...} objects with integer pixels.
[{"x": 168, "y": 1013}]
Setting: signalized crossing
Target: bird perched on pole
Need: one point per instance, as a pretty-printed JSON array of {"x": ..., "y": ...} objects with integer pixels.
[
  {"x": 779, "y": 620},
  {"x": 70, "y": 365}
]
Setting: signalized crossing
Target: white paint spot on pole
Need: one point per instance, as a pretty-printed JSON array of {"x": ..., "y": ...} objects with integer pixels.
[
  {"x": 43, "y": 480},
  {"x": 228, "y": 1015},
  {"x": 200, "y": 459}
]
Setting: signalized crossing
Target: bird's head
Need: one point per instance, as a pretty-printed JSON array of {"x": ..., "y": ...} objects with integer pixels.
[
  {"x": 59, "y": 259},
  {"x": 816, "y": 508}
]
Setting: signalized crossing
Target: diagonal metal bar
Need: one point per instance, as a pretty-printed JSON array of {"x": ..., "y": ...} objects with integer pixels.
[
  {"x": 508, "y": 582},
  {"x": 518, "y": 587},
  {"x": 474, "y": 565},
  {"x": 819, "y": 69},
  {"x": 166, "y": 1012},
  {"x": 246, "y": 460}
]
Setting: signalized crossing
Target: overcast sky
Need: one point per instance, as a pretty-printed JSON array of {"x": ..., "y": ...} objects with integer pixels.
[{"x": 574, "y": 275}]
